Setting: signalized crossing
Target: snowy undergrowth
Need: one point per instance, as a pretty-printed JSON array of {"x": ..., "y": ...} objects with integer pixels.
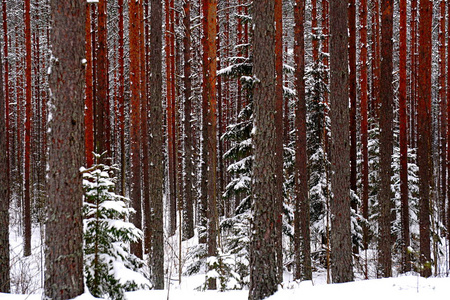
[{"x": 409, "y": 287}]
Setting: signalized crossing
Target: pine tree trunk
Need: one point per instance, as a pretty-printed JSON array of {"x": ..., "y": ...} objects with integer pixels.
[
  {"x": 64, "y": 227},
  {"x": 188, "y": 227},
  {"x": 352, "y": 96},
  {"x": 263, "y": 268},
  {"x": 278, "y": 8},
  {"x": 121, "y": 100},
  {"x": 424, "y": 133},
  {"x": 135, "y": 122},
  {"x": 28, "y": 122},
  {"x": 103, "y": 130},
  {"x": 443, "y": 100},
  {"x": 386, "y": 139},
  {"x": 156, "y": 145},
  {"x": 364, "y": 121},
  {"x": 301, "y": 214},
  {"x": 402, "y": 99},
  {"x": 4, "y": 192},
  {"x": 341, "y": 246},
  {"x": 89, "y": 94}
]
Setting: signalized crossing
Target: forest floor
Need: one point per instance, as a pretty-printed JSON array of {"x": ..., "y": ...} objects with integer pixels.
[{"x": 27, "y": 282}]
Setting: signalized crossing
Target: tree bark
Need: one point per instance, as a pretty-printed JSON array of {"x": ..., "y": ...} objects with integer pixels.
[
  {"x": 341, "y": 246},
  {"x": 263, "y": 268},
  {"x": 103, "y": 127},
  {"x": 402, "y": 99},
  {"x": 5, "y": 283},
  {"x": 278, "y": 8},
  {"x": 301, "y": 214},
  {"x": 89, "y": 94},
  {"x": 188, "y": 224},
  {"x": 64, "y": 227},
  {"x": 28, "y": 122},
  {"x": 424, "y": 133},
  {"x": 156, "y": 145},
  {"x": 386, "y": 139},
  {"x": 135, "y": 122}
]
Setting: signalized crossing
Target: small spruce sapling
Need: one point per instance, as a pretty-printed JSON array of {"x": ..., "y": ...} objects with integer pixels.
[{"x": 109, "y": 267}]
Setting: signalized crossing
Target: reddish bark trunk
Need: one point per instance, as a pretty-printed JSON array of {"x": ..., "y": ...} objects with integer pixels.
[
  {"x": 402, "y": 99},
  {"x": 424, "y": 133},
  {"x": 89, "y": 94}
]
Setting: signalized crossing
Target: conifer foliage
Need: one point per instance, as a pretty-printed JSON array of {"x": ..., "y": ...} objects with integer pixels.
[{"x": 109, "y": 267}]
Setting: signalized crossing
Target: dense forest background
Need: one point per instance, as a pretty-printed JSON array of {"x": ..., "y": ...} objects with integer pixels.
[{"x": 247, "y": 140}]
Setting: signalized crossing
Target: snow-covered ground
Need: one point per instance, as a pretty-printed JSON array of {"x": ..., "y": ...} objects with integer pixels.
[
  {"x": 28, "y": 278},
  {"x": 405, "y": 287}
]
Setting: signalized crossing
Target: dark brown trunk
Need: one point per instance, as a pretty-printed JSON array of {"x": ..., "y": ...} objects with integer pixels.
[
  {"x": 156, "y": 146},
  {"x": 188, "y": 229},
  {"x": 386, "y": 139},
  {"x": 402, "y": 99},
  {"x": 301, "y": 213},
  {"x": 264, "y": 277},
  {"x": 424, "y": 133},
  {"x": 364, "y": 122},
  {"x": 64, "y": 227},
  {"x": 28, "y": 122},
  {"x": 5, "y": 284},
  {"x": 341, "y": 245}
]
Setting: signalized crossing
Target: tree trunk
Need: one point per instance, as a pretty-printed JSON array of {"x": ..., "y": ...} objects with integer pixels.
[
  {"x": 28, "y": 122},
  {"x": 64, "y": 227},
  {"x": 386, "y": 139},
  {"x": 103, "y": 130},
  {"x": 364, "y": 121},
  {"x": 135, "y": 122},
  {"x": 402, "y": 99},
  {"x": 210, "y": 14},
  {"x": 89, "y": 94},
  {"x": 188, "y": 224},
  {"x": 121, "y": 100},
  {"x": 263, "y": 268},
  {"x": 156, "y": 146},
  {"x": 278, "y": 8},
  {"x": 301, "y": 214},
  {"x": 4, "y": 192},
  {"x": 341, "y": 245},
  {"x": 352, "y": 96},
  {"x": 424, "y": 133}
]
